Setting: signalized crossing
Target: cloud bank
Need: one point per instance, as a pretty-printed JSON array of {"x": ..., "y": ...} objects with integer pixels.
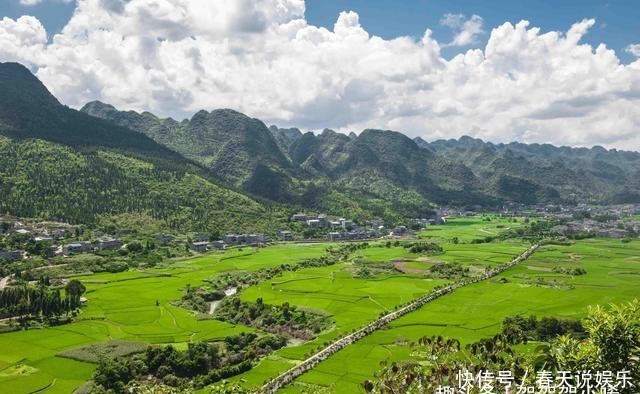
[{"x": 263, "y": 58}]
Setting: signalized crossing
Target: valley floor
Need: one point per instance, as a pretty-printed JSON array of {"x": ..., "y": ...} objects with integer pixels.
[{"x": 137, "y": 306}]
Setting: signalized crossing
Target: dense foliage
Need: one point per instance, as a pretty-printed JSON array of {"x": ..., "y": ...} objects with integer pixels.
[
  {"x": 519, "y": 329},
  {"x": 45, "y": 180},
  {"x": 285, "y": 319},
  {"x": 40, "y": 302},
  {"x": 572, "y": 271},
  {"x": 200, "y": 364},
  {"x": 199, "y": 298},
  {"x": 449, "y": 270},
  {"x": 369, "y": 270},
  {"x": 423, "y": 247}
]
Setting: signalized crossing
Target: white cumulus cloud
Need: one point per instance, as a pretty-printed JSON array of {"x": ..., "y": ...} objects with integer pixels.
[
  {"x": 633, "y": 49},
  {"x": 22, "y": 40},
  {"x": 174, "y": 57},
  {"x": 466, "y": 29}
]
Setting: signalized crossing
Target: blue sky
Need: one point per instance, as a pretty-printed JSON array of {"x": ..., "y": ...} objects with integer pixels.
[
  {"x": 616, "y": 25},
  {"x": 53, "y": 14},
  {"x": 617, "y": 21}
]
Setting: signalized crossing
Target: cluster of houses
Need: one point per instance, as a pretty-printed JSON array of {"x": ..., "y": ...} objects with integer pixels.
[
  {"x": 203, "y": 245},
  {"x": 432, "y": 221},
  {"x": 616, "y": 221},
  {"x": 561, "y": 211},
  {"x": 619, "y": 221},
  {"x": 322, "y": 221},
  {"x": 609, "y": 229},
  {"x": 285, "y": 235},
  {"x": 359, "y": 233},
  {"x": 335, "y": 229},
  {"x": 456, "y": 212},
  {"x": 105, "y": 243},
  {"x": 54, "y": 233},
  {"x": 338, "y": 229},
  {"x": 399, "y": 231},
  {"x": 46, "y": 231},
  {"x": 343, "y": 229},
  {"x": 40, "y": 230}
]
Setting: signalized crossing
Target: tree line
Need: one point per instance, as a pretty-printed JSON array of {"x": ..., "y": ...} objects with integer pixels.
[
  {"x": 201, "y": 364},
  {"x": 40, "y": 302}
]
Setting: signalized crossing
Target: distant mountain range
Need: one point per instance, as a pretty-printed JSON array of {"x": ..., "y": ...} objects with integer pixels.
[
  {"x": 386, "y": 167},
  {"x": 221, "y": 169}
]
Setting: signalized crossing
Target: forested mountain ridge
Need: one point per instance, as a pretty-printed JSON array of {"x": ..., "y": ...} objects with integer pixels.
[
  {"x": 378, "y": 169},
  {"x": 239, "y": 150},
  {"x": 245, "y": 154},
  {"x": 390, "y": 166},
  {"x": 58, "y": 163},
  {"x": 28, "y": 110},
  {"x": 608, "y": 176},
  {"x": 63, "y": 164}
]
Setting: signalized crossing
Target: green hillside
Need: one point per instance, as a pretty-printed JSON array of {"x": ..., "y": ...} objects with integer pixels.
[
  {"x": 57, "y": 163},
  {"x": 238, "y": 150}
]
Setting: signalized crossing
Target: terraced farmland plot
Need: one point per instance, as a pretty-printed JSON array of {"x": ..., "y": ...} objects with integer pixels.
[
  {"x": 132, "y": 306},
  {"x": 476, "y": 311}
]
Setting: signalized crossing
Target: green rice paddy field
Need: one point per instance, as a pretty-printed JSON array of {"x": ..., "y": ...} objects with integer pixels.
[
  {"x": 123, "y": 306},
  {"x": 136, "y": 305},
  {"x": 476, "y": 311},
  {"x": 352, "y": 302}
]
